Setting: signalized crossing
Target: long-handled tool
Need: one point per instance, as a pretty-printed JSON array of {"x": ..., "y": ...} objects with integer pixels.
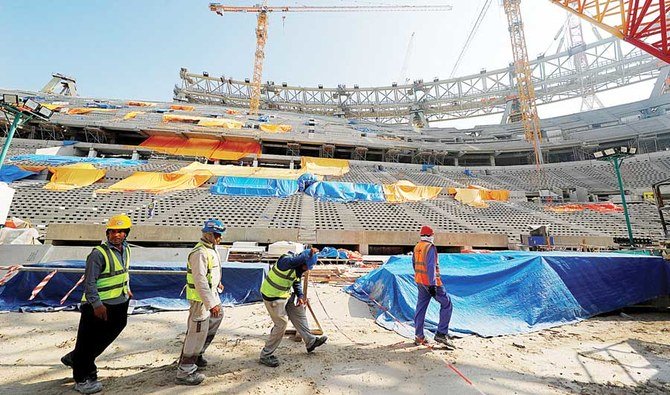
[{"x": 318, "y": 331}]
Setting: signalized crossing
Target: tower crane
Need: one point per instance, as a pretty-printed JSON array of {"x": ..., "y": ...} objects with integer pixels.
[
  {"x": 262, "y": 29},
  {"x": 524, "y": 81}
]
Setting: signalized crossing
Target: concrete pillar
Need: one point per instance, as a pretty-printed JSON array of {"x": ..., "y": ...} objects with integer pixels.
[
  {"x": 363, "y": 249},
  {"x": 455, "y": 161},
  {"x": 135, "y": 156},
  {"x": 291, "y": 165},
  {"x": 92, "y": 153},
  {"x": 255, "y": 163},
  {"x": 492, "y": 159}
]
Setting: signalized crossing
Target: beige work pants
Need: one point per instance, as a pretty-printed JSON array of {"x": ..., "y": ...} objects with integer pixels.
[
  {"x": 279, "y": 310},
  {"x": 201, "y": 330}
]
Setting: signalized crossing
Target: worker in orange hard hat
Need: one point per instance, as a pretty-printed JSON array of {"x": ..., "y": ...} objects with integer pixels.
[
  {"x": 104, "y": 304},
  {"x": 429, "y": 286}
]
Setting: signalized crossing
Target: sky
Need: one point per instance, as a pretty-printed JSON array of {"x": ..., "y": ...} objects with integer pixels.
[{"x": 133, "y": 49}]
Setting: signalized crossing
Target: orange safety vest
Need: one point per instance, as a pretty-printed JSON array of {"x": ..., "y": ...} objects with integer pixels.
[{"x": 421, "y": 251}]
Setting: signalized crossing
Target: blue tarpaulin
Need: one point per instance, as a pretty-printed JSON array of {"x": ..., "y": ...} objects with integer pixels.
[
  {"x": 332, "y": 253},
  {"x": 247, "y": 186},
  {"x": 346, "y": 192},
  {"x": 241, "y": 281},
  {"x": 11, "y": 173},
  {"x": 514, "y": 292},
  {"x": 58, "y": 160}
]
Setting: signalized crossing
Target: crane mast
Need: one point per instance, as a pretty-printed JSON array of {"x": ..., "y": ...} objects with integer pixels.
[{"x": 528, "y": 107}]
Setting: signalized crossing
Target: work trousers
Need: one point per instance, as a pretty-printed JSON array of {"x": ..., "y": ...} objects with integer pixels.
[
  {"x": 422, "y": 303},
  {"x": 94, "y": 336},
  {"x": 279, "y": 310},
  {"x": 200, "y": 332}
]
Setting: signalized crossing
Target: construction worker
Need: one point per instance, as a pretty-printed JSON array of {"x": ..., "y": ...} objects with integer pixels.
[
  {"x": 283, "y": 296},
  {"x": 203, "y": 285},
  {"x": 104, "y": 304},
  {"x": 429, "y": 284}
]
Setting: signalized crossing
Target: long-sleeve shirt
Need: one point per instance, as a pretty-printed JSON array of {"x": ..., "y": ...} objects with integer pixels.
[
  {"x": 198, "y": 261},
  {"x": 95, "y": 264},
  {"x": 290, "y": 261}
]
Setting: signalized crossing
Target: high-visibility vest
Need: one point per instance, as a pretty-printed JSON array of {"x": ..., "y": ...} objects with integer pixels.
[
  {"x": 113, "y": 280},
  {"x": 278, "y": 283},
  {"x": 421, "y": 251},
  {"x": 191, "y": 292}
]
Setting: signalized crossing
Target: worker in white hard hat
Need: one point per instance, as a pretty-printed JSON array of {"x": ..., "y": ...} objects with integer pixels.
[{"x": 104, "y": 304}]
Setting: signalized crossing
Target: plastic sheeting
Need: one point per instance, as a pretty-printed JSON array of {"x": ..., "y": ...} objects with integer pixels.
[
  {"x": 84, "y": 111},
  {"x": 240, "y": 171},
  {"x": 345, "y": 192},
  {"x": 516, "y": 292},
  {"x": 208, "y": 148},
  {"x": 405, "y": 191},
  {"x": 471, "y": 197},
  {"x": 157, "y": 182},
  {"x": 607, "y": 207},
  {"x": 11, "y": 173},
  {"x": 324, "y": 166},
  {"x": 203, "y": 121},
  {"x": 243, "y": 186},
  {"x": 74, "y": 176},
  {"x": 57, "y": 160},
  {"x": 241, "y": 282},
  {"x": 274, "y": 128}
]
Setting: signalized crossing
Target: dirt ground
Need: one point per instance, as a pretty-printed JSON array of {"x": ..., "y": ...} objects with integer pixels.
[{"x": 618, "y": 354}]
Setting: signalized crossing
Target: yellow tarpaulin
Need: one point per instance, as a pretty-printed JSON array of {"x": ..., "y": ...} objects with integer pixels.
[
  {"x": 220, "y": 123},
  {"x": 136, "y": 103},
  {"x": 69, "y": 177},
  {"x": 241, "y": 171},
  {"x": 273, "y": 128},
  {"x": 132, "y": 114},
  {"x": 325, "y": 166},
  {"x": 202, "y": 121},
  {"x": 82, "y": 111},
  {"x": 471, "y": 197},
  {"x": 405, "y": 191},
  {"x": 157, "y": 182}
]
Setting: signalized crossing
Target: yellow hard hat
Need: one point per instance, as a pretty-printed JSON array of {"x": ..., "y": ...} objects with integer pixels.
[{"x": 120, "y": 221}]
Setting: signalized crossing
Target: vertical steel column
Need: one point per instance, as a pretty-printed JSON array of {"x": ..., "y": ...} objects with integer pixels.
[
  {"x": 10, "y": 135},
  {"x": 617, "y": 161}
]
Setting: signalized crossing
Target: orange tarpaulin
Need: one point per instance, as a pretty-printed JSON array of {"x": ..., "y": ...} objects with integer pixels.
[
  {"x": 74, "y": 176},
  {"x": 208, "y": 148},
  {"x": 132, "y": 114},
  {"x": 182, "y": 107},
  {"x": 135, "y": 103},
  {"x": 82, "y": 111},
  {"x": 202, "y": 121},
  {"x": 36, "y": 169},
  {"x": 157, "y": 182}
]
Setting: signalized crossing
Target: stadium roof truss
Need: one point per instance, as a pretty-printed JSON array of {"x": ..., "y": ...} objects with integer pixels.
[{"x": 555, "y": 78}]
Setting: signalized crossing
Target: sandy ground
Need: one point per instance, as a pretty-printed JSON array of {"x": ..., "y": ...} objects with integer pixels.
[{"x": 605, "y": 355}]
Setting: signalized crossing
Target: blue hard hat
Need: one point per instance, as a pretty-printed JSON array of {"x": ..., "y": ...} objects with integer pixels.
[{"x": 213, "y": 226}]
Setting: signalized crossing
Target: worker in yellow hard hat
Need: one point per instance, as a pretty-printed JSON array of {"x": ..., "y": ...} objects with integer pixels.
[{"x": 104, "y": 304}]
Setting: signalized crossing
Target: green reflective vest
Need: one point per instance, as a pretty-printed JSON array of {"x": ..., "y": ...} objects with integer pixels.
[
  {"x": 278, "y": 283},
  {"x": 113, "y": 280},
  {"x": 191, "y": 292}
]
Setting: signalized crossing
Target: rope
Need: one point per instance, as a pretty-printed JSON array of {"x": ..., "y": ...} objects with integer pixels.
[
  {"x": 334, "y": 324},
  {"x": 431, "y": 348}
]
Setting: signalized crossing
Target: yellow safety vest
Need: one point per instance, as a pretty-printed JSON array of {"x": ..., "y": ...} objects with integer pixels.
[
  {"x": 278, "y": 283},
  {"x": 113, "y": 280},
  {"x": 191, "y": 292}
]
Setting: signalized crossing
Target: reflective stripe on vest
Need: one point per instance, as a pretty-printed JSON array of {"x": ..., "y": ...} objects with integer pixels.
[
  {"x": 113, "y": 280},
  {"x": 191, "y": 292},
  {"x": 278, "y": 283},
  {"x": 421, "y": 251}
]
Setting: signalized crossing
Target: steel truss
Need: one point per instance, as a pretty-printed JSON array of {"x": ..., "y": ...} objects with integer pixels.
[{"x": 604, "y": 64}]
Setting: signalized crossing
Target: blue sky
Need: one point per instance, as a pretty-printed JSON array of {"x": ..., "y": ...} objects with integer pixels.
[{"x": 135, "y": 48}]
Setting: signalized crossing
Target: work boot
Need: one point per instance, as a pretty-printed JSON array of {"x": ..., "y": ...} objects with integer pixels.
[
  {"x": 443, "y": 339},
  {"x": 421, "y": 341},
  {"x": 194, "y": 378},
  {"x": 269, "y": 360},
  {"x": 317, "y": 342},
  {"x": 88, "y": 387},
  {"x": 67, "y": 359},
  {"x": 201, "y": 362}
]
